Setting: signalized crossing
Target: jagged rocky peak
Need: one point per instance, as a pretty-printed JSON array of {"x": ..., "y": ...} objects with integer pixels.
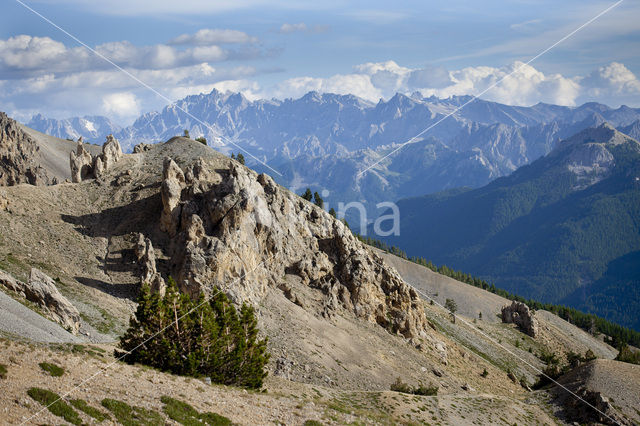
[
  {"x": 19, "y": 156},
  {"x": 85, "y": 166},
  {"x": 237, "y": 230}
]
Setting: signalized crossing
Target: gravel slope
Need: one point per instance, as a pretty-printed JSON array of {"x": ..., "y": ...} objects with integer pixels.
[{"x": 17, "y": 319}]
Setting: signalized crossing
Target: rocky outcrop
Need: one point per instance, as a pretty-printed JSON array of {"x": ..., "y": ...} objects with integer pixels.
[
  {"x": 81, "y": 163},
  {"x": 577, "y": 411},
  {"x": 147, "y": 261},
  {"x": 141, "y": 147},
  {"x": 111, "y": 153},
  {"x": 85, "y": 166},
  {"x": 172, "y": 183},
  {"x": 19, "y": 156},
  {"x": 236, "y": 230},
  {"x": 519, "y": 314},
  {"x": 42, "y": 291}
]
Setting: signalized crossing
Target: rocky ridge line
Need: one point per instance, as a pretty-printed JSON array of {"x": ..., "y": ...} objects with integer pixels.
[{"x": 239, "y": 231}]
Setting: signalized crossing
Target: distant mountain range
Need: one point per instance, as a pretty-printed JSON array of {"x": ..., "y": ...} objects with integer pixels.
[
  {"x": 324, "y": 141},
  {"x": 564, "y": 229}
]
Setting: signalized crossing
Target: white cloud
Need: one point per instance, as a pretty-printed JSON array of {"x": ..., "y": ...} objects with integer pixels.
[
  {"x": 207, "y": 37},
  {"x": 515, "y": 84},
  {"x": 121, "y": 105},
  {"x": 26, "y": 56}
]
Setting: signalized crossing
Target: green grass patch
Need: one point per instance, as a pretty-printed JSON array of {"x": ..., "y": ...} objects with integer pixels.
[
  {"x": 82, "y": 405},
  {"x": 312, "y": 423},
  {"x": 52, "y": 369},
  {"x": 132, "y": 416},
  {"x": 186, "y": 415},
  {"x": 3, "y": 371},
  {"x": 55, "y": 405}
]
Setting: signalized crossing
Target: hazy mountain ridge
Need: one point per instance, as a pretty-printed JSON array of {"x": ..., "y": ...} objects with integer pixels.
[
  {"x": 317, "y": 138},
  {"x": 550, "y": 230},
  {"x": 91, "y": 128}
]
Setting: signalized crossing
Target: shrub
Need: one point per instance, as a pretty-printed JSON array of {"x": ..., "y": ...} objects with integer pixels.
[
  {"x": 52, "y": 369},
  {"x": 82, "y": 405},
  {"x": 210, "y": 339},
  {"x": 485, "y": 373},
  {"x": 186, "y": 134},
  {"x": 202, "y": 140},
  {"x": 400, "y": 386},
  {"x": 185, "y": 414},
  {"x": 451, "y": 305},
  {"x": 625, "y": 354},
  {"x": 55, "y": 404},
  {"x": 132, "y": 416},
  {"x": 3, "y": 371}
]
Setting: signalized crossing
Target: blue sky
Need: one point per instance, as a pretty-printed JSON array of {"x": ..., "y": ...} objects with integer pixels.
[{"x": 285, "y": 48}]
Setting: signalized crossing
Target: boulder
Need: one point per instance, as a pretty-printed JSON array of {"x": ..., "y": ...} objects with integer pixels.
[
  {"x": 519, "y": 314},
  {"x": 42, "y": 291},
  {"x": 141, "y": 147}
]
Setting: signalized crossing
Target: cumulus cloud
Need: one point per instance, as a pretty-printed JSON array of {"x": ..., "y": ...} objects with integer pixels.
[
  {"x": 24, "y": 55},
  {"x": 121, "y": 105},
  {"x": 613, "y": 81},
  {"x": 515, "y": 84}
]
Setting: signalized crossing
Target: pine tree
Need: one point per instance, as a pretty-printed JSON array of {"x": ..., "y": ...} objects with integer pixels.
[
  {"x": 317, "y": 200},
  {"x": 196, "y": 337},
  {"x": 307, "y": 195},
  {"x": 332, "y": 212},
  {"x": 233, "y": 156},
  {"x": 240, "y": 158},
  {"x": 186, "y": 133}
]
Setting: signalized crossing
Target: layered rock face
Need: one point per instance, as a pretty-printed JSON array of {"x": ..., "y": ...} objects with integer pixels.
[
  {"x": 19, "y": 155},
  {"x": 519, "y": 314},
  {"x": 85, "y": 166},
  {"x": 239, "y": 231},
  {"x": 42, "y": 291}
]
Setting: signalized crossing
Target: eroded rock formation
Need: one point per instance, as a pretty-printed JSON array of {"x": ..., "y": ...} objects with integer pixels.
[
  {"x": 42, "y": 291},
  {"x": 239, "y": 231},
  {"x": 81, "y": 163},
  {"x": 147, "y": 261},
  {"x": 519, "y": 314},
  {"x": 85, "y": 166},
  {"x": 19, "y": 156}
]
